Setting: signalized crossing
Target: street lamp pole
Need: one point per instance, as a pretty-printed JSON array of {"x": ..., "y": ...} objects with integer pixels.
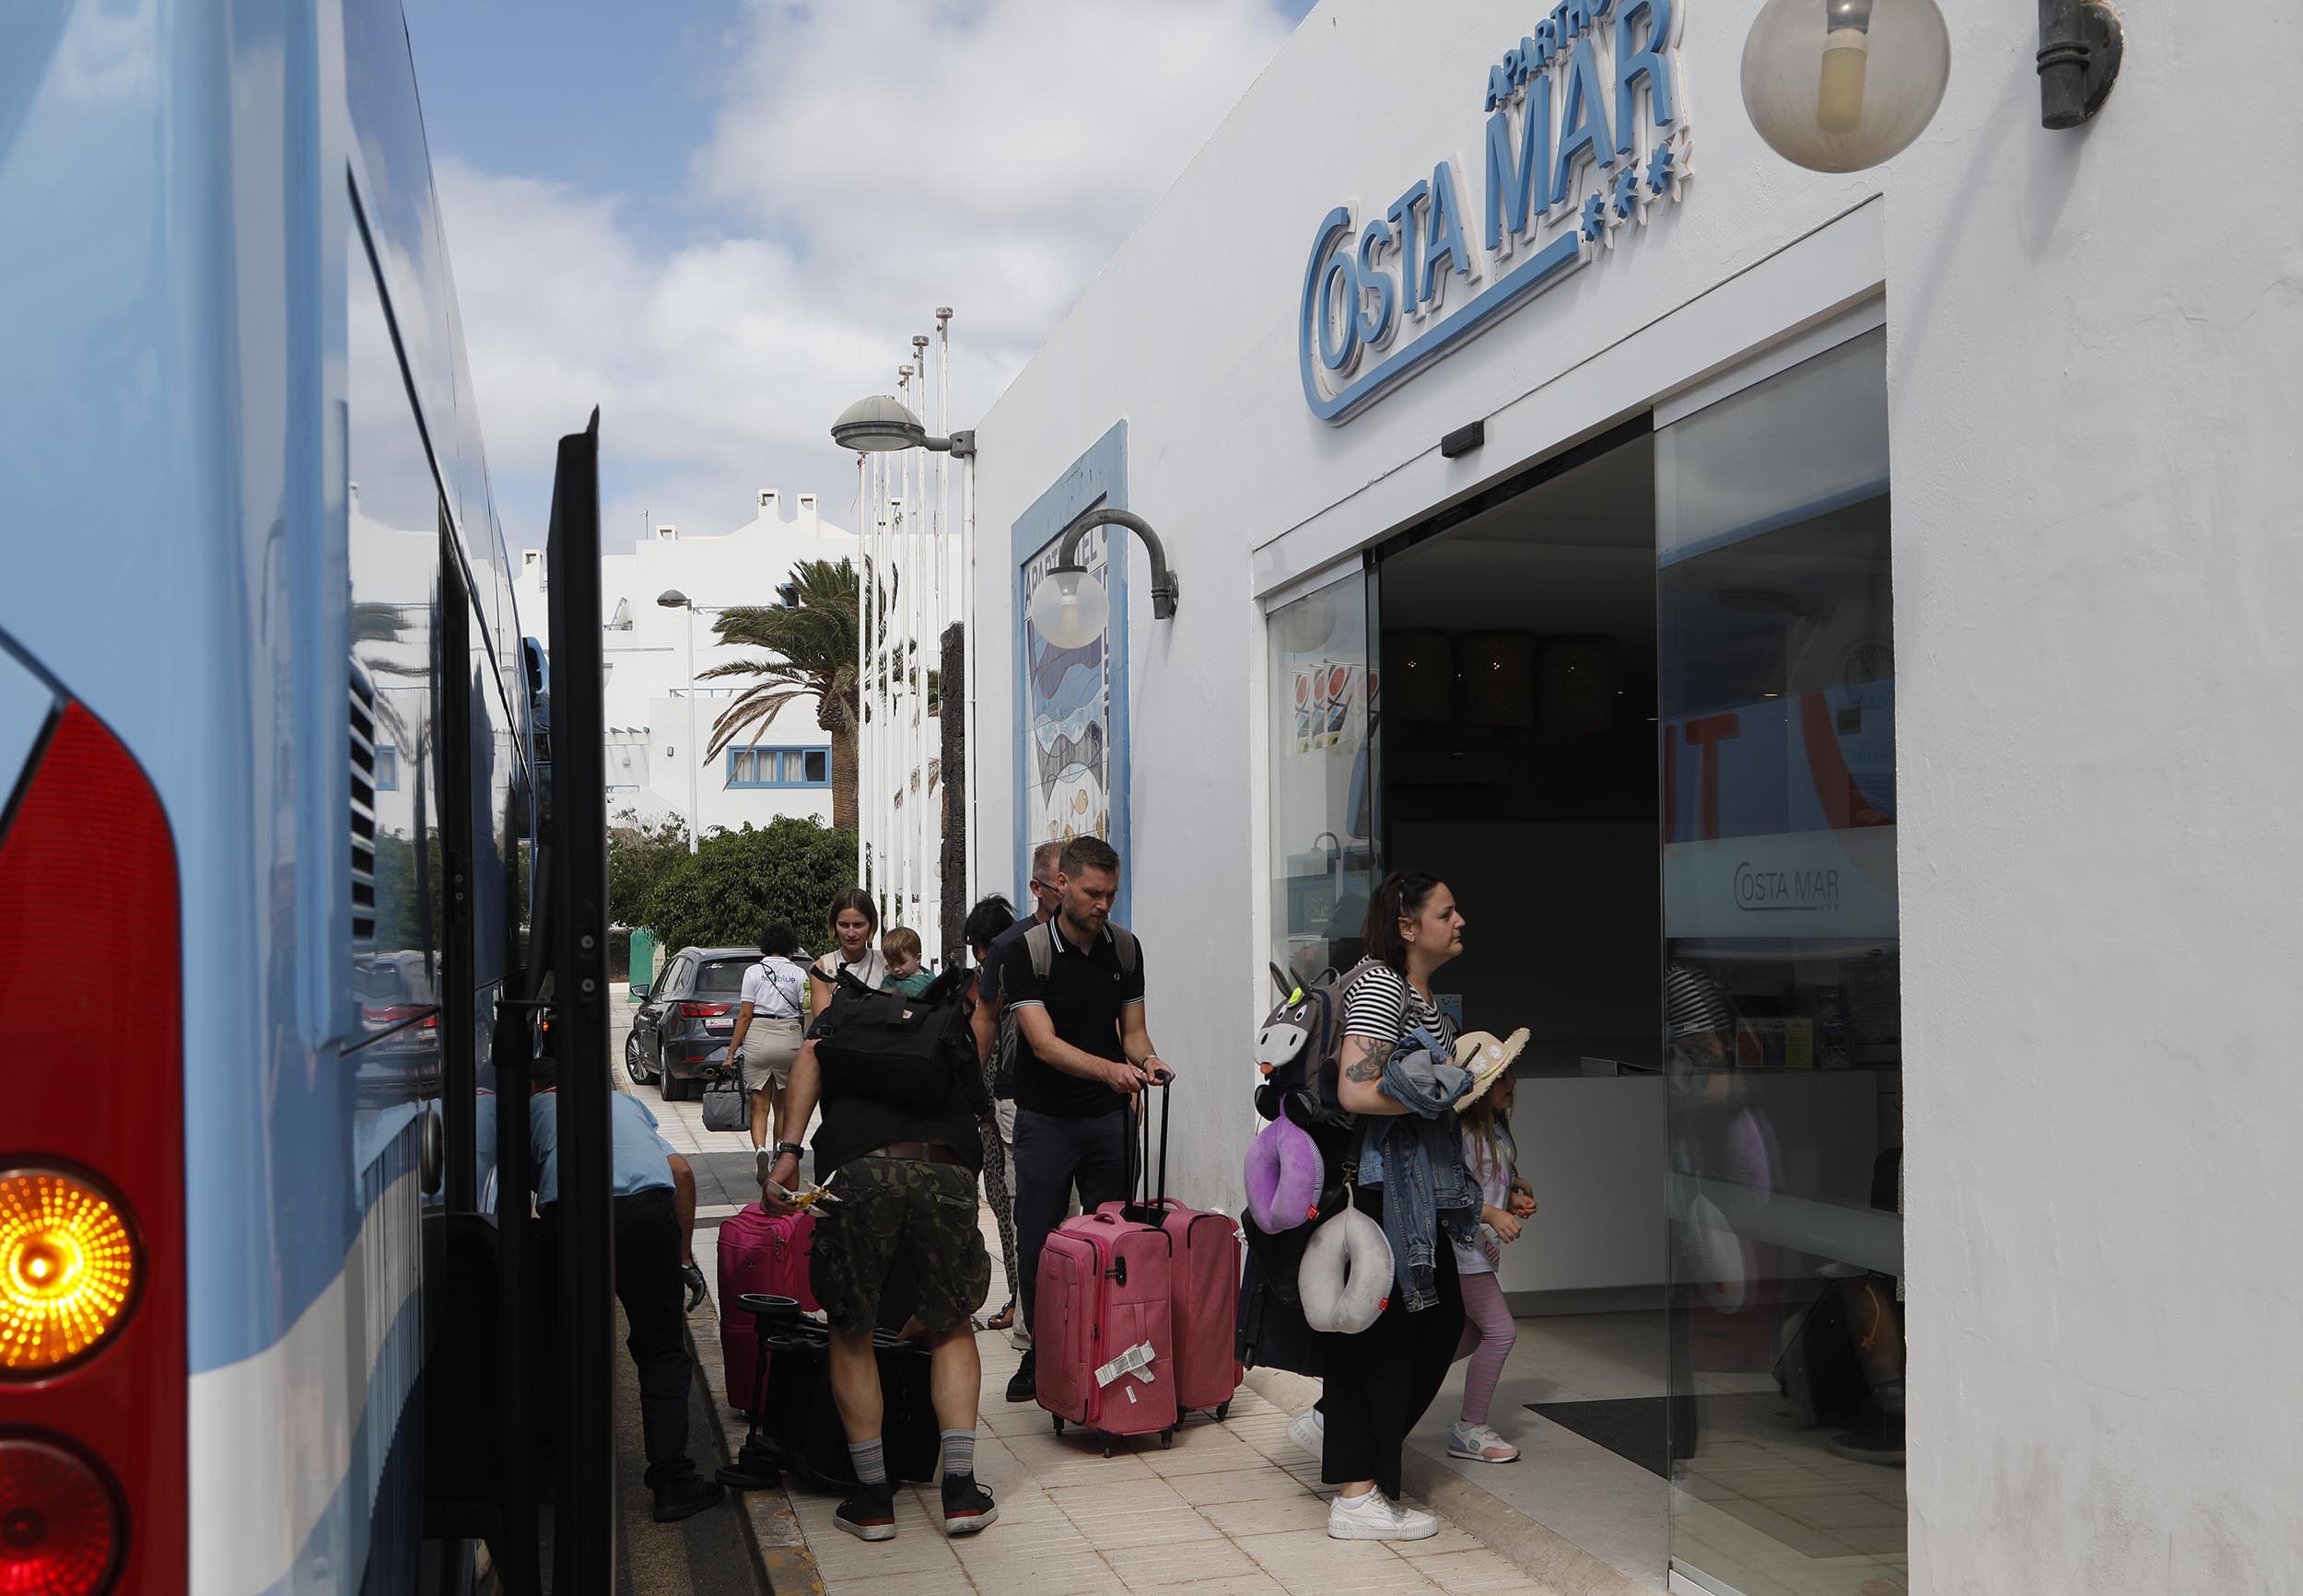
[{"x": 672, "y": 599}]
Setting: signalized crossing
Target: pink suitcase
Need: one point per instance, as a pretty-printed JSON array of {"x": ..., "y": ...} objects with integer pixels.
[
  {"x": 762, "y": 1253},
  {"x": 1203, "y": 1288},
  {"x": 1100, "y": 1300}
]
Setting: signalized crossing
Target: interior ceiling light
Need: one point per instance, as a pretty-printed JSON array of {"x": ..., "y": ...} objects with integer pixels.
[{"x": 68, "y": 1268}]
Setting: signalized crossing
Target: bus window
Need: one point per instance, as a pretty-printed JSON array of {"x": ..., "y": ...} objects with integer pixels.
[{"x": 393, "y": 554}]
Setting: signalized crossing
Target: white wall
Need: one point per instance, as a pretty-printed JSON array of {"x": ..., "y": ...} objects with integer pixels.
[
  {"x": 2092, "y": 372},
  {"x": 2093, "y": 341},
  {"x": 649, "y": 747}
]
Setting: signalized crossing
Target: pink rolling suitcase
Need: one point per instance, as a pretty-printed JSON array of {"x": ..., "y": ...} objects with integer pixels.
[
  {"x": 1100, "y": 1327},
  {"x": 762, "y": 1253},
  {"x": 1203, "y": 1288}
]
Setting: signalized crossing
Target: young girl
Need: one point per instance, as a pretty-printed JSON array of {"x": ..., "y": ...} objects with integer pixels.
[{"x": 1504, "y": 1201}]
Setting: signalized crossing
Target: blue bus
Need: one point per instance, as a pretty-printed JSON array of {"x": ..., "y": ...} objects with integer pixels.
[{"x": 285, "y": 903}]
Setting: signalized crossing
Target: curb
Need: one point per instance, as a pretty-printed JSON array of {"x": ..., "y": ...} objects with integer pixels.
[
  {"x": 1544, "y": 1554},
  {"x": 779, "y": 1548}
]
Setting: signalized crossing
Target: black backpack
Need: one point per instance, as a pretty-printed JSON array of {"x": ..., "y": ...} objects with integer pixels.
[{"x": 894, "y": 1048}]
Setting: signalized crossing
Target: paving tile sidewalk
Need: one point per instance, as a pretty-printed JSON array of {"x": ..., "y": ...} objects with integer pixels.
[{"x": 1232, "y": 1510}]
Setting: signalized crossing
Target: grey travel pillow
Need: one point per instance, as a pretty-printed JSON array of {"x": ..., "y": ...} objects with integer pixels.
[{"x": 1345, "y": 1278}]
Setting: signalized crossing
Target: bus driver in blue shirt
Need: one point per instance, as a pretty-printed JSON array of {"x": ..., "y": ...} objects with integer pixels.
[{"x": 655, "y": 1220}]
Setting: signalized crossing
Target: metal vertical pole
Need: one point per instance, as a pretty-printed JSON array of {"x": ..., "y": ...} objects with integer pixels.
[
  {"x": 863, "y": 653},
  {"x": 696, "y": 824}
]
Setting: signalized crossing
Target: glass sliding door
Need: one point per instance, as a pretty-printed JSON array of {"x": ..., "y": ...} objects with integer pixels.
[
  {"x": 1326, "y": 835},
  {"x": 1776, "y": 712}
]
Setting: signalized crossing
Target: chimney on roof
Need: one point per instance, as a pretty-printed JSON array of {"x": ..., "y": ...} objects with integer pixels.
[
  {"x": 667, "y": 533},
  {"x": 807, "y": 512},
  {"x": 771, "y": 509}
]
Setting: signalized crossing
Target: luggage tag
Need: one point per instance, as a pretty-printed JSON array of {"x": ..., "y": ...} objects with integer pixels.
[{"x": 1136, "y": 1360}]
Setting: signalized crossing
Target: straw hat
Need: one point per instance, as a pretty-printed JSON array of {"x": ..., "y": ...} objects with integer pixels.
[{"x": 1483, "y": 1058}]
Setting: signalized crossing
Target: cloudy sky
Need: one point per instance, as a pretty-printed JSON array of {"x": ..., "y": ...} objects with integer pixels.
[{"x": 722, "y": 220}]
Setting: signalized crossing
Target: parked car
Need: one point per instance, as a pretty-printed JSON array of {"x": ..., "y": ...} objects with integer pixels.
[{"x": 680, "y": 1035}]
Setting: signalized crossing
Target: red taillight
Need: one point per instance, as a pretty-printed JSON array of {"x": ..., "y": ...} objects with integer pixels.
[
  {"x": 88, "y": 860},
  {"x": 706, "y": 1010},
  {"x": 60, "y": 1529}
]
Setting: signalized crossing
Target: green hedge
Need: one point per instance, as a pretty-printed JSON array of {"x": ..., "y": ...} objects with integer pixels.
[{"x": 738, "y": 881}]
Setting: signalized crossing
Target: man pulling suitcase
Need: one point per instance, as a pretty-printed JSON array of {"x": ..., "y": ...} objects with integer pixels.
[{"x": 899, "y": 1148}]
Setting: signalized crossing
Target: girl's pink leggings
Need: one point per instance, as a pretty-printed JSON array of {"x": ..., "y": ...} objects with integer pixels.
[{"x": 1487, "y": 1341}]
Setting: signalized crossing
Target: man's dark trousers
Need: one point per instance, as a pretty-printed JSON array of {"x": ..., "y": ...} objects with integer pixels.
[
  {"x": 648, "y": 1283},
  {"x": 1051, "y": 1154}
]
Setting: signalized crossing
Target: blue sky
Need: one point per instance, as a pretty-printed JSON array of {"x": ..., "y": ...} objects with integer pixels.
[{"x": 639, "y": 198}]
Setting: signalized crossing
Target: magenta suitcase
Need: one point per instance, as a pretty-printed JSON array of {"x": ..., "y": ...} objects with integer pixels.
[
  {"x": 1102, "y": 1294},
  {"x": 764, "y": 1252}
]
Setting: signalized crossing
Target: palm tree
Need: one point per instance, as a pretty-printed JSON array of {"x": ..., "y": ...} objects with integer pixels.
[{"x": 812, "y": 647}]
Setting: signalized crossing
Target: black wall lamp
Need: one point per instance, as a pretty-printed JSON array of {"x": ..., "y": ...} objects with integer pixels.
[
  {"x": 2080, "y": 47},
  {"x": 1841, "y": 86},
  {"x": 1070, "y": 606}
]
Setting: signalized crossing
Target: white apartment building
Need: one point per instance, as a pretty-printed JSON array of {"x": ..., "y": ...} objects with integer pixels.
[{"x": 656, "y": 763}]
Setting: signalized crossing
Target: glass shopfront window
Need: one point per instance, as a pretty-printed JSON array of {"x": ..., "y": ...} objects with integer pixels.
[
  {"x": 1776, "y": 711},
  {"x": 1325, "y": 846}
]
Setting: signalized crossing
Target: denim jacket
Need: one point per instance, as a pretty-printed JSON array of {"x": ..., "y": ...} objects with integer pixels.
[{"x": 1417, "y": 1157}]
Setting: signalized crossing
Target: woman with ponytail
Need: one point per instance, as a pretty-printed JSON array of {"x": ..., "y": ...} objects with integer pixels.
[{"x": 1380, "y": 1381}]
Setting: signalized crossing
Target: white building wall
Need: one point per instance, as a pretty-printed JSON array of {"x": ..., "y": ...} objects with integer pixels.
[
  {"x": 650, "y": 751},
  {"x": 2092, "y": 341}
]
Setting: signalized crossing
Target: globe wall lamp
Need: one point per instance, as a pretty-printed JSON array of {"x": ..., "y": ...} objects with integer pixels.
[
  {"x": 882, "y": 424},
  {"x": 1841, "y": 86},
  {"x": 1070, "y": 606}
]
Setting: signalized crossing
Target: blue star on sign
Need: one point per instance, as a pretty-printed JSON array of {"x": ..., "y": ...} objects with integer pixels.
[
  {"x": 1594, "y": 219},
  {"x": 1660, "y": 169},
  {"x": 1627, "y": 190}
]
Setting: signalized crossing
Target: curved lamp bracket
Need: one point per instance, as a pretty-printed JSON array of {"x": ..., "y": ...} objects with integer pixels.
[{"x": 1163, "y": 581}]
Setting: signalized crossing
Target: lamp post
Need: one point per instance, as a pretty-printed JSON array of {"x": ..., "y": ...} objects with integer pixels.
[
  {"x": 672, "y": 599},
  {"x": 884, "y": 424}
]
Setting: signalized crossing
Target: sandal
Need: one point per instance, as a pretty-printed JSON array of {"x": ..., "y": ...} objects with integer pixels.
[{"x": 1004, "y": 1318}]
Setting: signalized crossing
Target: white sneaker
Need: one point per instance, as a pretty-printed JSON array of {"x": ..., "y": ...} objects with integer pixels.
[
  {"x": 1309, "y": 1430},
  {"x": 1376, "y": 1516},
  {"x": 1481, "y": 1444}
]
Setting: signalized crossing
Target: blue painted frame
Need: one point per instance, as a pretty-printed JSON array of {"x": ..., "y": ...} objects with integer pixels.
[
  {"x": 778, "y": 748},
  {"x": 1099, "y": 477}
]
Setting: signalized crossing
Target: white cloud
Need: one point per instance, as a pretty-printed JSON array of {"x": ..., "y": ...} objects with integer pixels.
[{"x": 872, "y": 159}]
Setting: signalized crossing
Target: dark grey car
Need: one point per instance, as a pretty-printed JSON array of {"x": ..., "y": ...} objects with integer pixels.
[{"x": 680, "y": 1035}]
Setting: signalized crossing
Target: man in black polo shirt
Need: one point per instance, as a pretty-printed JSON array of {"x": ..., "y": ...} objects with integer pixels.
[{"x": 1086, "y": 1055}]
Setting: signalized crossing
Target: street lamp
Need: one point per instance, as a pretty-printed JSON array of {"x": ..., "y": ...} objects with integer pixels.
[
  {"x": 882, "y": 424},
  {"x": 1840, "y": 86},
  {"x": 672, "y": 599},
  {"x": 1070, "y": 606}
]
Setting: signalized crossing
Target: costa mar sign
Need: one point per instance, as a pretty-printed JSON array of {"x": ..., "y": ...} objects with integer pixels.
[{"x": 1585, "y": 131}]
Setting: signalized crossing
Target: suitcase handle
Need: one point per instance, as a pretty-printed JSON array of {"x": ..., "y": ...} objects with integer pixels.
[{"x": 1140, "y": 1176}]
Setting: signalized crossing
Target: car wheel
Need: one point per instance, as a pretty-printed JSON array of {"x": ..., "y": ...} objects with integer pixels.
[
  {"x": 675, "y": 1089},
  {"x": 635, "y": 1061}
]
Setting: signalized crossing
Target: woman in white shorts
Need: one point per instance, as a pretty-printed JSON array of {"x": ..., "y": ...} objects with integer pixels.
[{"x": 770, "y": 1020}]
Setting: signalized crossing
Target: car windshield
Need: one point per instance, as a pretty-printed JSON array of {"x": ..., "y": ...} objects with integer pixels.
[{"x": 723, "y": 978}]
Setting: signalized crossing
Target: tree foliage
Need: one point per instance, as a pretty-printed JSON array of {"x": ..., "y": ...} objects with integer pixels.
[
  {"x": 640, "y": 854},
  {"x": 738, "y": 881}
]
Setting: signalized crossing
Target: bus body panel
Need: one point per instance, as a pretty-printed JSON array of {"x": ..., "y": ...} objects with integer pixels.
[{"x": 172, "y": 474}]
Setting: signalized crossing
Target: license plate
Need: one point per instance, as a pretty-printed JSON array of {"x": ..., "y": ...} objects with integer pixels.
[{"x": 719, "y": 1025}]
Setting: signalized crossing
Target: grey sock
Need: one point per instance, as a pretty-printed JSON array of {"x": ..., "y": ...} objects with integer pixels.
[
  {"x": 959, "y": 1452},
  {"x": 870, "y": 1460}
]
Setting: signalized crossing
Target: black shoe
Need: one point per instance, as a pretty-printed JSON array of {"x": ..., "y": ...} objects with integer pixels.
[
  {"x": 681, "y": 1496},
  {"x": 870, "y": 1514},
  {"x": 967, "y": 1507},
  {"x": 758, "y": 1467},
  {"x": 1024, "y": 1387}
]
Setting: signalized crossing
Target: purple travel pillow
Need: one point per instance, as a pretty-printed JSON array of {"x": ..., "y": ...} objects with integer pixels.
[{"x": 1283, "y": 1175}]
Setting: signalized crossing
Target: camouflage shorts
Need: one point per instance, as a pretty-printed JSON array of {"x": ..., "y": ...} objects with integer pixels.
[{"x": 926, "y": 1211}]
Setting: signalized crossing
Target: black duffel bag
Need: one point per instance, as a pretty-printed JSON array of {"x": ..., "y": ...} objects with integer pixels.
[
  {"x": 796, "y": 1424},
  {"x": 894, "y": 1048}
]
